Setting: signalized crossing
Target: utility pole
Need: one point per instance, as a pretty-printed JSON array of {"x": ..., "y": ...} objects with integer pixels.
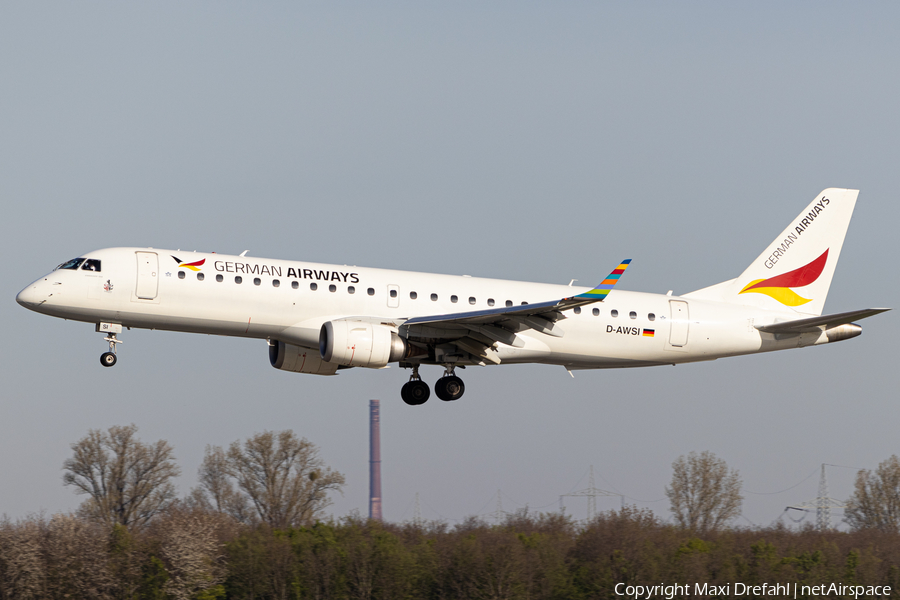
[
  {"x": 591, "y": 494},
  {"x": 822, "y": 504}
]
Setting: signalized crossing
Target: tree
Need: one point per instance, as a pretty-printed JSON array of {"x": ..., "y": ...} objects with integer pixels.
[
  {"x": 277, "y": 476},
  {"x": 128, "y": 482},
  {"x": 194, "y": 556},
  {"x": 875, "y": 503},
  {"x": 216, "y": 490},
  {"x": 704, "y": 495}
]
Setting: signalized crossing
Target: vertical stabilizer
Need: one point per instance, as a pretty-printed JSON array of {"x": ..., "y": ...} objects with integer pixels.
[{"x": 795, "y": 271}]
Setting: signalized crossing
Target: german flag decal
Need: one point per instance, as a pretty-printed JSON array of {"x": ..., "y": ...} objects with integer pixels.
[
  {"x": 649, "y": 332},
  {"x": 194, "y": 266}
]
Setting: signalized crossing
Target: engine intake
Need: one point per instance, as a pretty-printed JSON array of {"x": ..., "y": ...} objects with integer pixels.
[{"x": 359, "y": 344}]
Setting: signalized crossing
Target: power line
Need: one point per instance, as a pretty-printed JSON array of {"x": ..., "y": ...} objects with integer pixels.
[{"x": 813, "y": 472}]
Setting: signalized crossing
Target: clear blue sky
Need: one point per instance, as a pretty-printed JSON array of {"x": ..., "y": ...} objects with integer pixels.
[{"x": 532, "y": 141}]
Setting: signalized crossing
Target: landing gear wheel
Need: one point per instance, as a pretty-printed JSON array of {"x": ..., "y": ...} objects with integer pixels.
[
  {"x": 415, "y": 392},
  {"x": 107, "y": 359},
  {"x": 449, "y": 388}
]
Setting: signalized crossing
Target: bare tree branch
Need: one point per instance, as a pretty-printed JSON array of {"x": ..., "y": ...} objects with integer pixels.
[
  {"x": 128, "y": 482},
  {"x": 280, "y": 475}
]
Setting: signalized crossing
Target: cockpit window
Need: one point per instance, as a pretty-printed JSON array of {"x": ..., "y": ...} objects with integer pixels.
[
  {"x": 71, "y": 264},
  {"x": 91, "y": 264}
]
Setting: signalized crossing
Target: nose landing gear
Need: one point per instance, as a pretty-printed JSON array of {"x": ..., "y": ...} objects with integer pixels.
[
  {"x": 108, "y": 359},
  {"x": 415, "y": 391},
  {"x": 449, "y": 387}
]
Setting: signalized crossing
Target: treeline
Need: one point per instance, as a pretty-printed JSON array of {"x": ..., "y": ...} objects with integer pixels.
[{"x": 193, "y": 552}]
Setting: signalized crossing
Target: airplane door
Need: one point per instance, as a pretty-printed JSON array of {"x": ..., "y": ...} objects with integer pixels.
[
  {"x": 393, "y": 296},
  {"x": 679, "y": 323},
  {"x": 147, "y": 275}
]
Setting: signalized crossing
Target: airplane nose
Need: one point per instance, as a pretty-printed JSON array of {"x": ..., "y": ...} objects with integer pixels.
[{"x": 27, "y": 297}]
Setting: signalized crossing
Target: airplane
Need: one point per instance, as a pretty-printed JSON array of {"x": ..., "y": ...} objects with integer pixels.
[{"x": 320, "y": 318}]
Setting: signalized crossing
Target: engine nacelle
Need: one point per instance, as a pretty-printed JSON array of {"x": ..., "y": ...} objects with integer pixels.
[
  {"x": 289, "y": 357},
  {"x": 359, "y": 344}
]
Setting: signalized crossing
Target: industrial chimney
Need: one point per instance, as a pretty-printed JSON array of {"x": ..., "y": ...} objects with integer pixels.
[{"x": 374, "y": 460}]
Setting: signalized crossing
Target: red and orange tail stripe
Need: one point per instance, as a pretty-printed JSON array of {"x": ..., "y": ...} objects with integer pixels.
[{"x": 779, "y": 287}]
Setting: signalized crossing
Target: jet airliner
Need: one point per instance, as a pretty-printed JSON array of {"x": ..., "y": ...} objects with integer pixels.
[{"x": 320, "y": 318}]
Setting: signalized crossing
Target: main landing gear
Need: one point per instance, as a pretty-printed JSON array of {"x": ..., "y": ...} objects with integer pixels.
[
  {"x": 415, "y": 391},
  {"x": 448, "y": 388}
]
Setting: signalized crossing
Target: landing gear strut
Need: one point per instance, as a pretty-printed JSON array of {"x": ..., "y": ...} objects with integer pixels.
[
  {"x": 449, "y": 387},
  {"x": 415, "y": 391},
  {"x": 108, "y": 359}
]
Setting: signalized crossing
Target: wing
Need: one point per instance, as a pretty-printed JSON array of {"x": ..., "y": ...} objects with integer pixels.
[
  {"x": 478, "y": 332},
  {"x": 817, "y": 323}
]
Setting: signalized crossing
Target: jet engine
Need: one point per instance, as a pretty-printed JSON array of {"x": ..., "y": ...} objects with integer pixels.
[
  {"x": 297, "y": 359},
  {"x": 359, "y": 344}
]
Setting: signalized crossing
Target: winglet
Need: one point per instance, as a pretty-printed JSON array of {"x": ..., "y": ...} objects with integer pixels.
[{"x": 599, "y": 293}]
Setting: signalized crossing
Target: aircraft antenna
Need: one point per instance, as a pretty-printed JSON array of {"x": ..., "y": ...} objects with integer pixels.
[{"x": 822, "y": 504}]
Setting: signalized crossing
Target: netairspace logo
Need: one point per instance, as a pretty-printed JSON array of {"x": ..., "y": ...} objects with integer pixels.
[{"x": 782, "y": 590}]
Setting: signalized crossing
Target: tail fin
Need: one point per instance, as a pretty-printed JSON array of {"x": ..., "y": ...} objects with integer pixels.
[{"x": 795, "y": 271}]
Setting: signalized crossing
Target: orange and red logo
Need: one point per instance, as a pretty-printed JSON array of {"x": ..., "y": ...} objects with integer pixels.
[
  {"x": 193, "y": 266},
  {"x": 779, "y": 287}
]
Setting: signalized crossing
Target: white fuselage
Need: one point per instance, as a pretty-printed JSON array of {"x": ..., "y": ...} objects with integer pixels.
[{"x": 275, "y": 300}]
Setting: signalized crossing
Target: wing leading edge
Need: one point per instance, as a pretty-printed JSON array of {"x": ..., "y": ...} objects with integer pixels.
[{"x": 476, "y": 332}]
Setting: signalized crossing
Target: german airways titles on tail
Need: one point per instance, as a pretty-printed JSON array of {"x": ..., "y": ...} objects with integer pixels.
[{"x": 321, "y": 318}]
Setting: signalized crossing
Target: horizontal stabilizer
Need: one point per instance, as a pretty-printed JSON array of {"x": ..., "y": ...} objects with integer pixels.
[{"x": 817, "y": 323}]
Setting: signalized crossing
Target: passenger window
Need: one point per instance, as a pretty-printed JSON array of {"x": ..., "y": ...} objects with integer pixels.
[
  {"x": 577, "y": 310},
  {"x": 351, "y": 290},
  {"x": 454, "y": 299},
  {"x": 180, "y": 274},
  {"x": 393, "y": 293},
  {"x": 219, "y": 278},
  {"x": 509, "y": 303},
  {"x": 633, "y": 315},
  {"x": 596, "y": 312},
  {"x": 257, "y": 281},
  {"x": 295, "y": 285},
  {"x": 370, "y": 291},
  {"x": 91, "y": 264},
  {"x": 200, "y": 276},
  {"x": 651, "y": 316},
  {"x": 275, "y": 283},
  {"x": 314, "y": 286},
  {"x": 614, "y": 313},
  {"x": 71, "y": 264},
  {"x": 471, "y": 299},
  {"x": 524, "y": 303},
  {"x": 490, "y": 301},
  {"x": 238, "y": 279},
  {"x": 332, "y": 288},
  {"x": 413, "y": 295},
  {"x": 434, "y": 297}
]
